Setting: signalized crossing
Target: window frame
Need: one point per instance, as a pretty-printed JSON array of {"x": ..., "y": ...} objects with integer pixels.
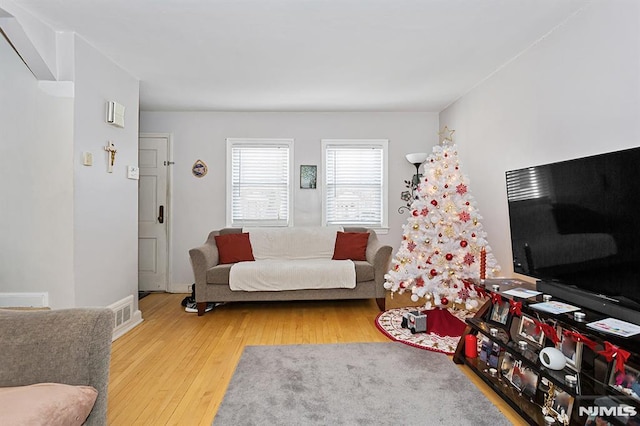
[
  {"x": 233, "y": 142},
  {"x": 383, "y": 226}
]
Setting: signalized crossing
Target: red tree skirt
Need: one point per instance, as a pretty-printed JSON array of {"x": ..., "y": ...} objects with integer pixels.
[{"x": 444, "y": 328}]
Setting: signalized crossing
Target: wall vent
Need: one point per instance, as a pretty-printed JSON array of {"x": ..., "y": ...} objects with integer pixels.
[{"x": 123, "y": 310}]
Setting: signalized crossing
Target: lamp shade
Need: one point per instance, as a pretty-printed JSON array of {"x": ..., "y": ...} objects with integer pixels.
[{"x": 417, "y": 157}]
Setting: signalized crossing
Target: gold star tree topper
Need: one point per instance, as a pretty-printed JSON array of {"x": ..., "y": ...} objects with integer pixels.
[{"x": 446, "y": 135}]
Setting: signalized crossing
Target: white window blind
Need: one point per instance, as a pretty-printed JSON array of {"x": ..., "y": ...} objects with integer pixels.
[
  {"x": 259, "y": 184},
  {"x": 355, "y": 184}
]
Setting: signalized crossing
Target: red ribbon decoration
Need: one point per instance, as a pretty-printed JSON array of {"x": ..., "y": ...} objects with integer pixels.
[
  {"x": 548, "y": 331},
  {"x": 612, "y": 351},
  {"x": 481, "y": 291},
  {"x": 580, "y": 338},
  {"x": 496, "y": 298},
  {"x": 515, "y": 308},
  {"x": 467, "y": 284}
]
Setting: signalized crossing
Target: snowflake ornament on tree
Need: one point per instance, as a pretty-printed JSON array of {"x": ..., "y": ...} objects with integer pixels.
[{"x": 443, "y": 242}]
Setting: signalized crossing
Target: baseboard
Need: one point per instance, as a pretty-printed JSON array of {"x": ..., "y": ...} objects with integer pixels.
[
  {"x": 179, "y": 288},
  {"x": 24, "y": 300},
  {"x": 125, "y": 318},
  {"x": 136, "y": 320}
]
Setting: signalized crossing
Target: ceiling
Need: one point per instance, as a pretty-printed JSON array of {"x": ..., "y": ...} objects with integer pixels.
[{"x": 306, "y": 55}]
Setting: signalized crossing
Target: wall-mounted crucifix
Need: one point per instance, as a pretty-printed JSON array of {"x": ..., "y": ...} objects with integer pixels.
[{"x": 111, "y": 156}]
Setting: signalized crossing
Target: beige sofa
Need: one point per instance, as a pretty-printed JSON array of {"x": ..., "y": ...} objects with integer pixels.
[
  {"x": 69, "y": 347},
  {"x": 212, "y": 278}
]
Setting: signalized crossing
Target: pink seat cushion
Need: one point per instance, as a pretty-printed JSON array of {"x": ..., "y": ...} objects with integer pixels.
[{"x": 48, "y": 404}]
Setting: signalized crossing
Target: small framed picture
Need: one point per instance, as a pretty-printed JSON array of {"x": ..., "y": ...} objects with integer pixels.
[
  {"x": 500, "y": 313},
  {"x": 527, "y": 330},
  {"x": 562, "y": 402},
  {"x": 596, "y": 421},
  {"x": 494, "y": 356},
  {"x": 308, "y": 176},
  {"x": 571, "y": 349},
  {"x": 525, "y": 380},
  {"x": 506, "y": 367},
  {"x": 485, "y": 349},
  {"x": 627, "y": 382},
  {"x": 614, "y": 405}
]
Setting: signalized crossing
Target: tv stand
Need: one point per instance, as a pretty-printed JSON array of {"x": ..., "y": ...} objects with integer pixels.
[
  {"x": 592, "y": 301},
  {"x": 516, "y": 374}
]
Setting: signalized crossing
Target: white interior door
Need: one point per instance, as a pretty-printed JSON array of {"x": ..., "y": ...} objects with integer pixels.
[{"x": 152, "y": 213}]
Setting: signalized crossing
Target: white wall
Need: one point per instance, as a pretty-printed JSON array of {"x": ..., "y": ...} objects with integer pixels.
[
  {"x": 199, "y": 204},
  {"x": 105, "y": 204},
  {"x": 68, "y": 230},
  {"x": 36, "y": 183},
  {"x": 40, "y": 35},
  {"x": 575, "y": 93}
]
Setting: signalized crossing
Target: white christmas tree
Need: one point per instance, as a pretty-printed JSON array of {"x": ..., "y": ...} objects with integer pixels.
[{"x": 444, "y": 245}]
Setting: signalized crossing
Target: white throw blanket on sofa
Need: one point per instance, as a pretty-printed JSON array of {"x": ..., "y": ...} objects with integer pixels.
[
  {"x": 302, "y": 274},
  {"x": 292, "y": 259}
]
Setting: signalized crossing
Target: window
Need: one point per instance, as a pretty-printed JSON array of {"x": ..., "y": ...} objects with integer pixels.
[
  {"x": 258, "y": 182},
  {"x": 355, "y": 182}
]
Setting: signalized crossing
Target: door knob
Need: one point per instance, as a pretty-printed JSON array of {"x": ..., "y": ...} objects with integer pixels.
[{"x": 161, "y": 214}]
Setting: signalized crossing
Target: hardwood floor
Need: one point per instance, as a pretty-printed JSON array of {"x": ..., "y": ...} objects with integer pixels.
[{"x": 174, "y": 368}]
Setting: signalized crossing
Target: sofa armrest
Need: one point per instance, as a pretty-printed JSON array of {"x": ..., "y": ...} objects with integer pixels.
[
  {"x": 69, "y": 346},
  {"x": 379, "y": 256},
  {"x": 202, "y": 259}
]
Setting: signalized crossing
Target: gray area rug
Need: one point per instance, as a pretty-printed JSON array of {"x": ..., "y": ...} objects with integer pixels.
[{"x": 352, "y": 384}]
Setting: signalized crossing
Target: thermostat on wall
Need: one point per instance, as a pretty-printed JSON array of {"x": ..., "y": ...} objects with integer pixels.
[{"x": 133, "y": 172}]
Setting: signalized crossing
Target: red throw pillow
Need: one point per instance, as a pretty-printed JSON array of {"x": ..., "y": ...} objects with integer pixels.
[
  {"x": 233, "y": 248},
  {"x": 351, "y": 245}
]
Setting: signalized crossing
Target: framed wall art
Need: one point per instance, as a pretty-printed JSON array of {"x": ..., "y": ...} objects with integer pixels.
[
  {"x": 199, "y": 169},
  {"x": 308, "y": 176}
]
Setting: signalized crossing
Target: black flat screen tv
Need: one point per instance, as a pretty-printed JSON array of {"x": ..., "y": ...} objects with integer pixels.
[{"x": 575, "y": 226}]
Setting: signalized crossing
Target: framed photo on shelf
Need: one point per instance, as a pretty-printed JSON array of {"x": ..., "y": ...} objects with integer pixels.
[
  {"x": 615, "y": 405},
  {"x": 627, "y": 382},
  {"x": 596, "y": 421},
  {"x": 500, "y": 313},
  {"x": 527, "y": 330},
  {"x": 494, "y": 356},
  {"x": 506, "y": 367},
  {"x": 562, "y": 402},
  {"x": 525, "y": 380},
  {"x": 485, "y": 349},
  {"x": 571, "y": 350}
]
